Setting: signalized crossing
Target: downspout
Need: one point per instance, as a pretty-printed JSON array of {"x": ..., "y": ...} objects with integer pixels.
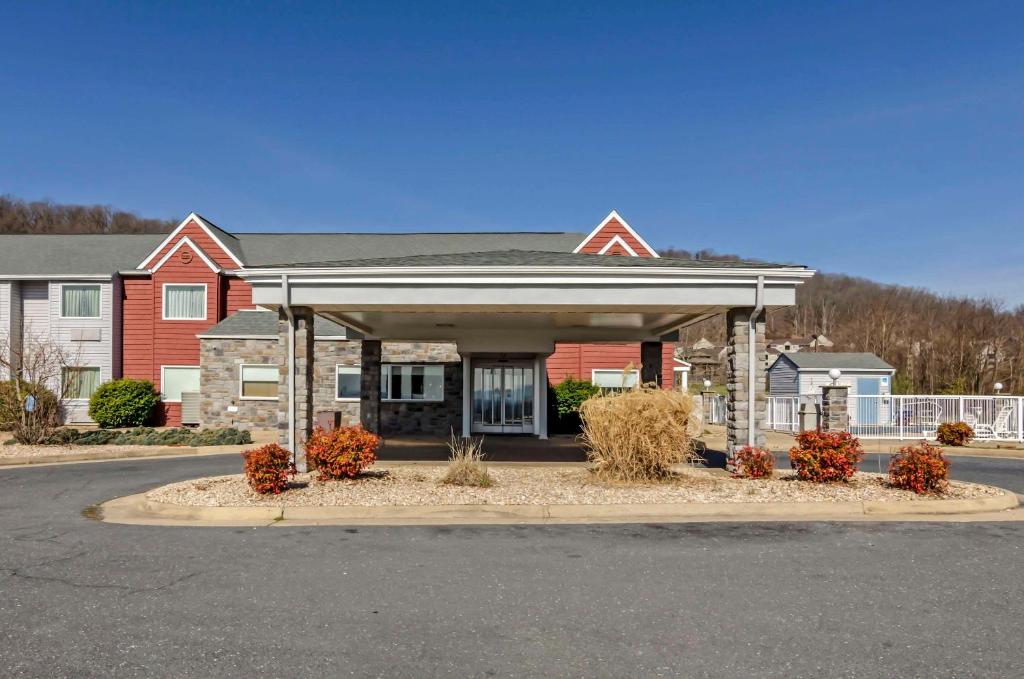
[
  {"x": 286, "y": 297},
  {"x": 751, "y": 362}
]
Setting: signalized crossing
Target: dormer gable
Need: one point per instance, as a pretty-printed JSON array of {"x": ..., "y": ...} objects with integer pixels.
[
  {"x": 614, "y": 236},
  {"x": 211, "y": 243}
]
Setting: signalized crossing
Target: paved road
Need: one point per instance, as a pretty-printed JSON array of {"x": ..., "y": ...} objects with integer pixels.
[{"x": 79, "y": 598}]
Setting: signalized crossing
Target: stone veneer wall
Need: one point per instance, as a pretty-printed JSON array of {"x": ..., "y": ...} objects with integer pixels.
[
  {"x": 418, "y": 417},
  {"x": 219, "y": 385},
  {"x": 327, "y": 355},
  {"x": 739, "y": 410}
]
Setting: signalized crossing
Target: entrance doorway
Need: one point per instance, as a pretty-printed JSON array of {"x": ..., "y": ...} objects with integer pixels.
[{"x": 503, "y": 397}]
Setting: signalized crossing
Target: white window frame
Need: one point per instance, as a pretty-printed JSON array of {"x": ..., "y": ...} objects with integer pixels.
[
  {"x": 410, "y": 400},
  {"x": 82, "y": 318},
  {"x": 63, "y": 386},
  {"x": 595, "y": 371},
  {"x": 162, "y": 381},
  {"x": 359, "y": 371},
  {"x": 163, "y": 302},
  {"x": 241, "y": 369}
]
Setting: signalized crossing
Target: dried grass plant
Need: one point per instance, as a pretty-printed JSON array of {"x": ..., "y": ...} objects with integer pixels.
[
  {"x": 465, "y": 463},
  {"x": 636, "y": 436}
]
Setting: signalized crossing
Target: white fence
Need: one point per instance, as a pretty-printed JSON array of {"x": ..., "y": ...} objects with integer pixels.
[
  {"x": 915, "y": 416},
  {"x": 714, "y": 408}
]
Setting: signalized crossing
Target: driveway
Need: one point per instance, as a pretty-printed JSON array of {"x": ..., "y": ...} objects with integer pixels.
[{"x": 82, "y": 598}]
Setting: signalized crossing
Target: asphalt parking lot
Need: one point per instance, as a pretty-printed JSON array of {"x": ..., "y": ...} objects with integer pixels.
[{"x": 81, "y": 598}]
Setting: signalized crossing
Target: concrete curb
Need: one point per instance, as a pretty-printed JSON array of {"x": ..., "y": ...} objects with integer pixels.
[
  {"x": 137, "y": 509},
  {"x": 160, "y": 451}
]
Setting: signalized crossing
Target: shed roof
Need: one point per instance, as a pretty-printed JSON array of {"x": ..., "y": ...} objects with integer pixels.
[
  {"x": 259, "y": 323},
  {"x": 825, "y": 360}
]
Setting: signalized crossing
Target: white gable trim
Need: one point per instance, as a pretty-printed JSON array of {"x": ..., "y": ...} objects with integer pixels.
[
  {"x": 617, "y": 240},
  {"x": 192, "y": 217},
  {"x": 199, "y": 251},
  {"x": 615, "y": 215}
]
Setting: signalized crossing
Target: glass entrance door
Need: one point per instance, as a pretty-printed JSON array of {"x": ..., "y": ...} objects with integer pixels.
[{"x": 503, "y": 397}]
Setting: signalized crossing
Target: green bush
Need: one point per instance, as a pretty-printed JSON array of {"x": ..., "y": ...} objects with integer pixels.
[
  {"x": 11, "y": 405},
  {"x": 123, "y": 403},
  {"x": 147, "y": 436},
  {"x": 569, "y": 396}
]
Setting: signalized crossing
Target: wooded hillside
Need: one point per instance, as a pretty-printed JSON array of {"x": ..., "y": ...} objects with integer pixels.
[
  {"x": 937, "y": 344},
  {"x": 19, "y": 216}
]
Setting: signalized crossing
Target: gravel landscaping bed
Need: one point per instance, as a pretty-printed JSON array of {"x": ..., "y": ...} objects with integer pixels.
[{"x": 420, "y": 485}]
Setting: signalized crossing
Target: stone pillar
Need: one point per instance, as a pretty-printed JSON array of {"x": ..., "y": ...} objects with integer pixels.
[
  {"x": 737, "y": 369},
  {"x": 650, "y": 363},
  {"x": 835, "y": 410},
  {"x": 369, "y": 399},
  {"x": 303, "y": 380}
]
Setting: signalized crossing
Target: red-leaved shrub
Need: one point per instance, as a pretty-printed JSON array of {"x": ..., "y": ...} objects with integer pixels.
[
  {"x": 754, "y": 463},
  {"x": 267, "y": 468},
  {"x": 954, "y": 434},
  {"x": 341, "y": 453},
  {"x": 920, "y": 468},
  {"x": 825, "y": 456}
]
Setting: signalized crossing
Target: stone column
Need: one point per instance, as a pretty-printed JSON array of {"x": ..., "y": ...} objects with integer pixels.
[
  {"x": 650, "y": 363},
  {"x": 739, "y": 410},
  {"x": 835, "y": 410},
  {"x": 303, "y": 380},
  {"x": 369, "y": 399}
]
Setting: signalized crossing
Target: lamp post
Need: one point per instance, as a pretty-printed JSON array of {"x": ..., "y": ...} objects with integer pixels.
[
  {"x": 707, "y": 384},
  {"x": 835, "y": 374},
  {"x": 998, "y": 387}
]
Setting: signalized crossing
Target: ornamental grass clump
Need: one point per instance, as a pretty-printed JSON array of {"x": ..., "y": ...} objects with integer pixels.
[
  {"x": 638, "y": 434},
  {"x": 268, "y": 468},
  {"x": 920, "y": 468},
  {"x": 754, "y": 463},
  {"x": 826, "y": 456},
  {"x": 465, "y": 463},
  {"x": 341, "y": 453},
  {"x": 954, "y": 434}
]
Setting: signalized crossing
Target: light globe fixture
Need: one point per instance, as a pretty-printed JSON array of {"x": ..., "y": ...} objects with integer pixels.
[
  {"x": 998, "y": 387},
  {"x": 707, "y": 384},
  {"x": 835, "y": 374}
]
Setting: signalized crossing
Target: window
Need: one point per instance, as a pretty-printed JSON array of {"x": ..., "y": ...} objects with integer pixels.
[
  {"x": 259, "y": 382},
  {"x": 80, "y": 301},
  {"x": 616, "y": 379},
  {"x": 412, "y": 382},
  {"x": 80, "y": 383},
  {"x": 185, "y": 302},
  {"x": 347, "y": 383},
  {"x": 177, "y": 379}
]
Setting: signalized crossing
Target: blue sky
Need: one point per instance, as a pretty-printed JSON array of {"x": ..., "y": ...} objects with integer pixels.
[{"x": 884, "y": 140}]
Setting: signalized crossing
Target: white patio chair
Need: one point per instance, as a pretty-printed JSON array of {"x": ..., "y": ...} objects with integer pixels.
[{"x": 999, "y": 429}]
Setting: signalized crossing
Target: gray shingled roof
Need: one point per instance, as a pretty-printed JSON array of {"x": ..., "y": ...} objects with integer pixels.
[
  {"x": 531, "y": 258},
  {"x": 73, "y": 255},
  {"x": 259, "y": 323},
  {"x": 824, "y": 360},
  {"x": 289, "y": 248}
]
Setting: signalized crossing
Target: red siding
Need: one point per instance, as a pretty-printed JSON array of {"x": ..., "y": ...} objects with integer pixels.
[
  {"x": 579, "y": 360},
  {"x": 610, "y": 230},
  {"x": 150, "y": 342}
]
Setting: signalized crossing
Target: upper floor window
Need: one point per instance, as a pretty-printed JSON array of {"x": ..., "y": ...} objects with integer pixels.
[
  {"x": 80, "y": 301},
  {"x": 184, "y": 302}
]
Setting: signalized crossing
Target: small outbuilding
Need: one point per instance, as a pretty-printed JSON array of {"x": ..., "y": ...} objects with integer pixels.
[{"x": 807, "y": 372}]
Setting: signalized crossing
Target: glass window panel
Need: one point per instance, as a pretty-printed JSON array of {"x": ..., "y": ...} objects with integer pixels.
[
  {"x": 80, "y": 301},
  {"x": 349, "y": 386},
  {"x": 260, "y": 381},
  {"x": 412, "y": 382},
  {"x": 80, "y": 383},
  {"x": 185, "y": 302},
  {"x": 178, "y": 380},
  {"x": 616, "y": 379}
]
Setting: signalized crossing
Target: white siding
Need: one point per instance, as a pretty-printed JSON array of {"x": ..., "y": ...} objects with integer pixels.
[
  {"x": 812, "y": 382},
  {"x": 87, "y": 353},
  {"x": 5, "y": 323}
]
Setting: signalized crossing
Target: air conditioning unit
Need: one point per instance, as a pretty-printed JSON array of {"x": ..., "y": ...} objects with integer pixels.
[{"x": 190, "y": 408}]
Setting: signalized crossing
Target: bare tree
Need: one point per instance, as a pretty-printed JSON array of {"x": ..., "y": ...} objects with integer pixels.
[{"x": 33, "y": 398}]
